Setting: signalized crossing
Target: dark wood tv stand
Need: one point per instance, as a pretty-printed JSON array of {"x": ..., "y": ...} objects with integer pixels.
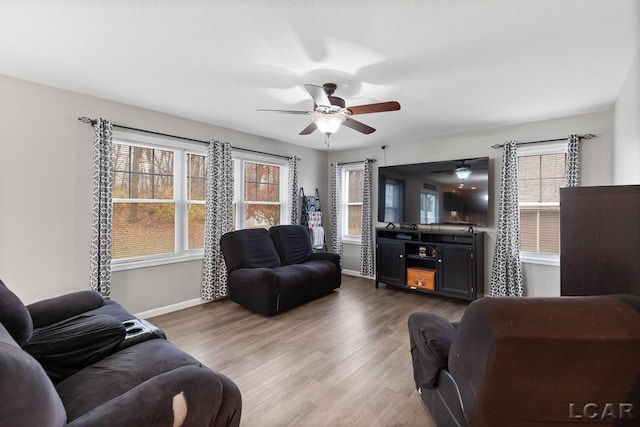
[{"x": 456, "y": 258}]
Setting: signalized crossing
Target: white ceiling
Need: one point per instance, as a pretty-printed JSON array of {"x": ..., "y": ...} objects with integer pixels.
[{"x": 453, "y": 65}]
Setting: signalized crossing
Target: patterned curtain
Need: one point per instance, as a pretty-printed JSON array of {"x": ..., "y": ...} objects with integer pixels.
[
  {"x": 100, "y": 251},
  {"x": 336, "y": 208},
  {"x": 573, "y": 163},
  {"x": 366, "y": 246},
  {"x": 506, "y": 273},
  {"x": 218, "y": 219},
  {"x": 293, "y": 190}
]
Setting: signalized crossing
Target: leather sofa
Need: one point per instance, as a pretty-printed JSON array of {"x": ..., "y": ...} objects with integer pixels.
[
  {"x": 270, "y": 271},
  {"x": 511, "y": 362},
  {"x": 79, "y": 360}
]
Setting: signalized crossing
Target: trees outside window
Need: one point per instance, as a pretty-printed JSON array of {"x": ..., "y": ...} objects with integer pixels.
[
  {"x": 259, "y": 197},
  {"x": 196, "y": 198},
  {"x": 158, "y": 202},
  {"x": 159, "y": 199}
]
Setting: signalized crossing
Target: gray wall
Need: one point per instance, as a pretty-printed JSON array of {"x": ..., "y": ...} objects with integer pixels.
[
  {"x": 626, "y": 148},
  {"x": 45, "y": 193},
  {"x": 540, "y": 280}
]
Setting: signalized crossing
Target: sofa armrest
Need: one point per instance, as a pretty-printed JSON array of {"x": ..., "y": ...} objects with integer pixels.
[
  {"x": 53, "y": 310},
  {"x": 197, "y": 396},
  {"x": 430, "y": 336},
  {"x": 328, "y": 256}
]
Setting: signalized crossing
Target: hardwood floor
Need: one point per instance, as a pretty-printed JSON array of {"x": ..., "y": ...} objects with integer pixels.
[{"x": 342, "y": 360}]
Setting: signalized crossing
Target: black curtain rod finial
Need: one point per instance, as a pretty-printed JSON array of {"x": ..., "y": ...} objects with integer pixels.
[{"x": 87, "y": 120}]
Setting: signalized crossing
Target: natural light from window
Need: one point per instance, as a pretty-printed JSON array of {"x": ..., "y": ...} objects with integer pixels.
[{"x": 540, "y": 177}]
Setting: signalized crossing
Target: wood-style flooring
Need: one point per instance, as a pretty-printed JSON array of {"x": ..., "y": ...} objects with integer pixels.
[{"x": 342, "y": 360}]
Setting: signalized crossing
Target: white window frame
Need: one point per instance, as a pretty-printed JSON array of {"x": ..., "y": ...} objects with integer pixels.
[
  {"x": 434, "y": 194},
  {"x": 347, "y": 238},
  {"x": 239, "y": 157},
  {"x": 180, "y": 149},
  {"x": 398, "y": 202},
  {"x": 533, "y": 150}
]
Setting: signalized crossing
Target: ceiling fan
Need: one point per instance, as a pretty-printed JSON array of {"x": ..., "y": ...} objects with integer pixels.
[
  {"x": 329, "y": 112},
  {"x": 462, "y": 170}
]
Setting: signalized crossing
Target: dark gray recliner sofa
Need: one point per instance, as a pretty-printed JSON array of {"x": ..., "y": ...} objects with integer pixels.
[
  {"x": 274, "y": 270},
  {"x": 79, "y": 360}
]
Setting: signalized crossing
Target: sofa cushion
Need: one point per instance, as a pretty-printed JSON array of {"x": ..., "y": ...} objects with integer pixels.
[
  {"x": 292, "y": 242},
  {"x": 324, "y": 276},
  {"x": 249, "y": 248},
  {"x": 430, "y": 337},
  {"x": 14, "y": 316},
  {"x": 294, "y": 286},
  {"x": 28, "y": 396},
  {"x": 70, "y": 345},
  {"x": 118, "y": 373},
  {"x": 255, "y": 289}
]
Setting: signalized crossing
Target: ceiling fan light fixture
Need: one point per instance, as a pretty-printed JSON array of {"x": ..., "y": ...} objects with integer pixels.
[
  {"x": 463, "y": 172},
  {"x": 328, "y": 123}
]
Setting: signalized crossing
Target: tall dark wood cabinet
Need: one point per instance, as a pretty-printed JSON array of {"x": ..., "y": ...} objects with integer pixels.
[
  {"x": 600, "y": 240},
  {"x": 434, "y": 262}
]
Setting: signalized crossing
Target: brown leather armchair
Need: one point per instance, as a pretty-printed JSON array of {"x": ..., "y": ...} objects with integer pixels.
[{"x": 531, "y": 362}]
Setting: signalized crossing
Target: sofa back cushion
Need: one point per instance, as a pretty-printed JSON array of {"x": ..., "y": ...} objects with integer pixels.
[
  {"x": 249, "y": 248},
  {"x": 28, "y": 396},
  {"x": 292, "y": 242},
  {"x": 525, "y": 361},
  {"x": 14, "y": 316}
]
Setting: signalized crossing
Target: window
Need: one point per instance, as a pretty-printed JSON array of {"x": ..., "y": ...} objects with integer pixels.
[
  {"x": 541, "y": 173},
  {"x": 353, "y": 185},
  {"x": 394, "y": 204},
  {"x": 158, "y": 201},
  {"x": 259, "y": 193},
  {"x": 196, "y": 199},
  {"x": 428, "y": 206}
]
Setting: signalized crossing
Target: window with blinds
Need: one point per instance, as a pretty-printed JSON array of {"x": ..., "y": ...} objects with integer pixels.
[
  {"x": 353, "y": 184},
  {"x": 540, "y": 177}
]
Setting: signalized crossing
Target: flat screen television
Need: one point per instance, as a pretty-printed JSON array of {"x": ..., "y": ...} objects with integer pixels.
[{"x": 433, "y": 193}]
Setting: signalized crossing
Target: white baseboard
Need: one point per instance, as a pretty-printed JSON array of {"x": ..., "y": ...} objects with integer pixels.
[
  {"x": 355, "y": 273},
  {"x": 169, "y": 308},
  {"x": 197, "y": 301}
]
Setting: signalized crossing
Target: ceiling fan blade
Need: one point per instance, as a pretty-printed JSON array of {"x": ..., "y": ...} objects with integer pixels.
[
  {"x": 359, "y": 126},
  {"x": 318, "y": 94},
  {"x": 309, "y": 129},
  {"x": 375, "y": 108},
  {"x": 262, "y": 110}
]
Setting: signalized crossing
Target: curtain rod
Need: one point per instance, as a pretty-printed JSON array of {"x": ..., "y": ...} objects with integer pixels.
[
  {"x": 356, "y": 161},
  {"x": 587, "y": 136},
  {"x": 93, "y": 122}
]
